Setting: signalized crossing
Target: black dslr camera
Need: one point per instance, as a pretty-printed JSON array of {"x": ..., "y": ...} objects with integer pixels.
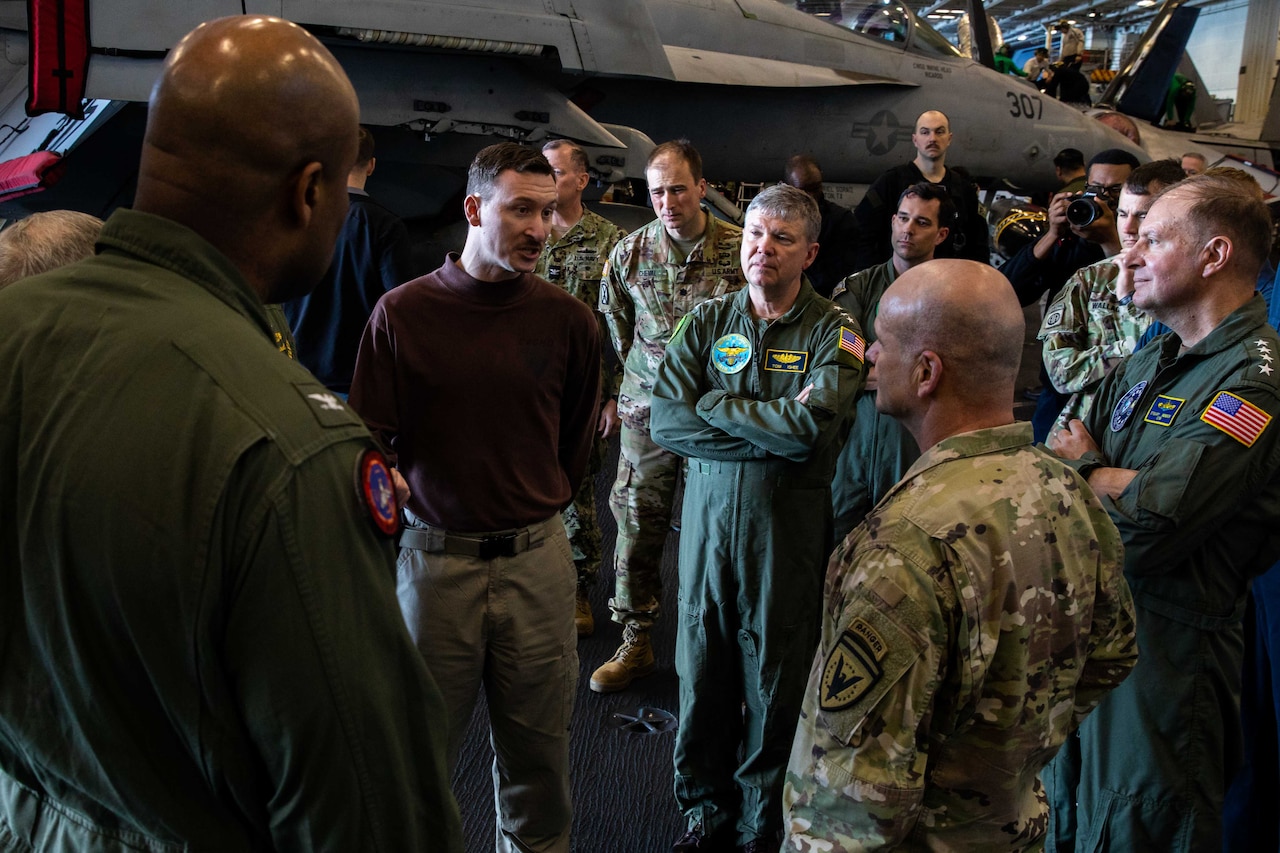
[{"x": 1086, "y": 208}]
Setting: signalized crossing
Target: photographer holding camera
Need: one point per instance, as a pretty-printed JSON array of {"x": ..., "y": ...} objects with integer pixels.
[{"x": 1082, "y": 231}]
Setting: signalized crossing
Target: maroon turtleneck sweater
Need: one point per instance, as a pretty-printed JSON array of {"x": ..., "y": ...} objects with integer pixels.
[{"x": 484, "y": 393}]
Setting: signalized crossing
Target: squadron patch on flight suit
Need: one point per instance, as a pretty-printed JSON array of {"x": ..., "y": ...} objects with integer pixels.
[
  {"x": 853, "y": 667},
  {"x": 1164, "y": 410},
  {"x": 786, "y": 361},
  {"x": 1124, "y": 408},
  {"x": 731, "y": 353},
  {"x": 377, "y": 491}
]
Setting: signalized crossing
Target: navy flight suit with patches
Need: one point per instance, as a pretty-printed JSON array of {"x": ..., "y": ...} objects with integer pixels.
[
  {"x": 1151, "y": 765},
  {"x": 756, "y": 533}
]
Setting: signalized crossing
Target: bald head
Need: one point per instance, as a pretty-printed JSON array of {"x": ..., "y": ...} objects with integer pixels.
[
  {"x": 967, "y": 313},
  {"x": 250, "y": 118}
]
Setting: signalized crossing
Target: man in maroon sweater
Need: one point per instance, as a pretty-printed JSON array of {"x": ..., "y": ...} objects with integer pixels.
[{"x": 481, "y": 379}]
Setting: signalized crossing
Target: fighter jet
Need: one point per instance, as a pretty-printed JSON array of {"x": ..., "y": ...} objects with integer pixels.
[{"x": 749, "y": 82}]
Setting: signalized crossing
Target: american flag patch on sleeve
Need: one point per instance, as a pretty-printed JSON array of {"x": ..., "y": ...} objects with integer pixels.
[
  {"x": 1237, "y": 417},
  {"x": 852, "y": 343}
]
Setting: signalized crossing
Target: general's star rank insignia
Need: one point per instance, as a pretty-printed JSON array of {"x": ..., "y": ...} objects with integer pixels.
[{"x": 853, "y": 667}]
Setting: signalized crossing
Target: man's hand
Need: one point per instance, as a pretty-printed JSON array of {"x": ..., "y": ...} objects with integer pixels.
[
  {"x": 1059, "y": 227},
  {"x": 803, "y": 396},
  {"x": 609, "y": 422},
  {"x": 1102, "y": 231},
  {"x": 1072, "y": 442},
  {"x": 401, "y": 486}
]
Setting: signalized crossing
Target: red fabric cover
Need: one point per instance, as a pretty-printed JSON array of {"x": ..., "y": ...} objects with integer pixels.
[
  {"x": 59, "y": 37},
  {"x": 29, "y": 174}
]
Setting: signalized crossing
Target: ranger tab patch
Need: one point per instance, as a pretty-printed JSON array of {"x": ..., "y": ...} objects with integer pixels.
[
  {"x": 786, "y": 361},
  {"x": 853, "y": 667},
  {"x": 377, "y": 491},
  {"x": 1237, "y": 417}
]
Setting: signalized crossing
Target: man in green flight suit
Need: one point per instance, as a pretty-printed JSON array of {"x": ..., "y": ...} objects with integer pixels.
[
  {"x": 755, "y": 390},
  {"x": 1182, "y": 448},
  {"x": 573, "y": 259},
  {"x": 202, "y": 648},
  {"x": 977, "y": 614},
  {"x": 879, "y": 449},
  {"x": 654, "y": 277}
]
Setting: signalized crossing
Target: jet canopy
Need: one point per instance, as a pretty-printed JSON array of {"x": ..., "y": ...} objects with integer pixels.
[{"x": 882, "y": 20}]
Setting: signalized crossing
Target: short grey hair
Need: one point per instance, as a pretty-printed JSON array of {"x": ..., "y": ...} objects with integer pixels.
[
  {"x": 783, "y": 201},
  {"x": 46, "y": 241}
]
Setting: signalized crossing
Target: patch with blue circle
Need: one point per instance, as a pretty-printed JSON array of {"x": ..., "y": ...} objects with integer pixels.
[
  {"x": 1124, "y": 408},
  {"x": 731, "y": 353},
  {"x": 1164, "y": 410},
  {"x": 377, "y": 491}
]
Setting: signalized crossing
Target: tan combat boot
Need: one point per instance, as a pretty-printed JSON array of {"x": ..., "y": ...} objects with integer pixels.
[
  {"x": 633, "y": 659},
  {"x": 582, "y": 618}
]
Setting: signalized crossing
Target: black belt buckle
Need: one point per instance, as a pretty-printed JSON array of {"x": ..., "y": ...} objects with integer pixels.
[{"x": 497, "y": 545}]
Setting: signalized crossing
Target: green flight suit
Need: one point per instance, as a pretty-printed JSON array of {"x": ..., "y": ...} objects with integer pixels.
[
  {"x": 1152, "y": 764},
  {"x": 646, "y": 291},
  {"x": 879, "y": 450},
  {"x": 202, "y": 645},
  {"x": 755, "y": 535},
  {"x": 575, "y": 263}
]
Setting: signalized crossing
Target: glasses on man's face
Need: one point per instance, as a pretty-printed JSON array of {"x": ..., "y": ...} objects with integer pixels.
[{"x": 1110, "y": 190}]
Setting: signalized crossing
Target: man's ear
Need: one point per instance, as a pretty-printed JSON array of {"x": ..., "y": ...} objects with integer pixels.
[
  {"x": 305, "y": 192},
  {"x": 471, "y": 210},
  {"x": 928, "y": 373},
  {"x": 1216, "y": 255}
]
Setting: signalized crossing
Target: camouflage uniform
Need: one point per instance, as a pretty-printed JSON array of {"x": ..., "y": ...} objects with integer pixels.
[
  {"x": 575, "y": 263},
  {"x": 1084, "y": 327},
  {"x": 972, "y": 621},
  {"x": 879, "y": 450},
  {"x": 645, "y": 292}
]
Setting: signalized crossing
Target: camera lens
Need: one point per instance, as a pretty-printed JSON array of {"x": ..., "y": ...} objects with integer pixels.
[{"x": 1083, "y": 211}]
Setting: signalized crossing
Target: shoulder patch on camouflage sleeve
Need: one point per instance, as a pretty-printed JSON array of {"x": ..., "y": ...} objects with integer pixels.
[
  {"x": 883, "y": 637},
  {"x": 853, "y": 667}
]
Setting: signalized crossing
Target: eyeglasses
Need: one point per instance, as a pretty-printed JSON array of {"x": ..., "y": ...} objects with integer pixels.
[{"x": 1111, "y": 190}]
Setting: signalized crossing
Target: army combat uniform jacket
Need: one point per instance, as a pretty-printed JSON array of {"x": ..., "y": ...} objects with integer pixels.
[
  {"x": 202, "y": 647},
  {"x": 1085, "y": 329},
  {"x": 1198, "y": 522},
  {"x": 971, "y": 621},
  {"x": 754, "y": 537},
  {"x": 647, "y": 290}
]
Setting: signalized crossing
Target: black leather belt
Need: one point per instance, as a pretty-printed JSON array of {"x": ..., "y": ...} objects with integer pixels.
[{"x": 482, "y": 546}]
